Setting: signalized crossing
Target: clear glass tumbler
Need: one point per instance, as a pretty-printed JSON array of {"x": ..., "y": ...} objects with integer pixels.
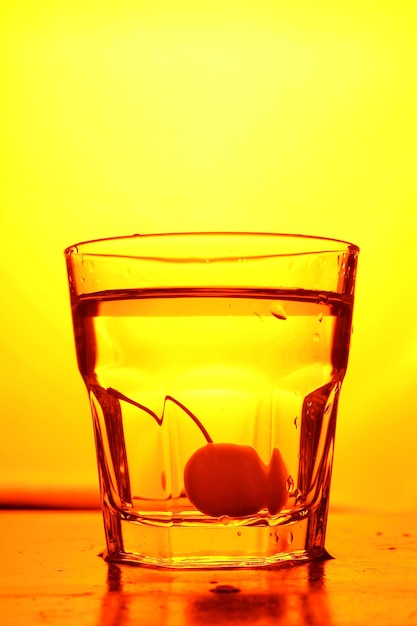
[{"x": 213, "y": 364}]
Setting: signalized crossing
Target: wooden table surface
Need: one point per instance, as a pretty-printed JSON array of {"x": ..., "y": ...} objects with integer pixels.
[{"x": 51, "y": 574}]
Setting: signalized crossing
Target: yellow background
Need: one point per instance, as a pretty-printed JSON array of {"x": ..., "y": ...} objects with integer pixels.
[{"x": 124, "y": 117}]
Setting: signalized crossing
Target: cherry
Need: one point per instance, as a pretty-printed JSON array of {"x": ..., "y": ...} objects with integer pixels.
[
  {"x": 229, "y": 479},
  {"x": 226, "y": 478}
]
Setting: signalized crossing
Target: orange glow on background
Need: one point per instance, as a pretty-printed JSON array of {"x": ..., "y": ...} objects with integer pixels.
[{"x": 176, "y": 116}]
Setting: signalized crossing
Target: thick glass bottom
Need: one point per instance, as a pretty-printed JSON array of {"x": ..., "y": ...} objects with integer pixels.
[{"x": 211, "y": 546}]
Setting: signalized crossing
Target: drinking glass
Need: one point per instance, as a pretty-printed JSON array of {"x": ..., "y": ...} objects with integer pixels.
[{"x": 213, "y": 364}]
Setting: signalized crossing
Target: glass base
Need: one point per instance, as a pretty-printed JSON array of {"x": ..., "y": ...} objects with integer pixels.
[{"x": 215, "y": 546}]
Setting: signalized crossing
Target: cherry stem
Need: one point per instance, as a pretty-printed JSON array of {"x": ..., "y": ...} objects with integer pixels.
[{"x": 195, "y": 419}]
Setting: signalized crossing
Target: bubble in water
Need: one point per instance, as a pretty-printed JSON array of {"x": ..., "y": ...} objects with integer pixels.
[
  {"x": 224, "y": 519},
  {"x": 278, "y": 312},
  {"x": 320, "y": 316},
  {"x": 316, "y": 337},
  {"x": 298, "y": 496},
  {"x": 290, "y": 483},
  {"x": 296, "y": 422},
  {"x": 290, "y": 537}
]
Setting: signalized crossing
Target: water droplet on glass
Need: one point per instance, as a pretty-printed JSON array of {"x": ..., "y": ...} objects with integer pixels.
[{"x": 278, "y": 312}]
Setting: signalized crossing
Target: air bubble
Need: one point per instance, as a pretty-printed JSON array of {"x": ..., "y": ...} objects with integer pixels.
[
  {"x": 320, "y": 316},
  {"x": 290, "y": 537},
  {"x": 290, "y": 483},
  {"x": 316, "y": 337},
  {"x": 298, "y": 496},
  {"x": 296, "y": 422},
  {"x": 224, "y": 519}
]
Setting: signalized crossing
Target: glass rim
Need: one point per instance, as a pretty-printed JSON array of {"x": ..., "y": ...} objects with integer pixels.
[{"x": 73, "y": 249}]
